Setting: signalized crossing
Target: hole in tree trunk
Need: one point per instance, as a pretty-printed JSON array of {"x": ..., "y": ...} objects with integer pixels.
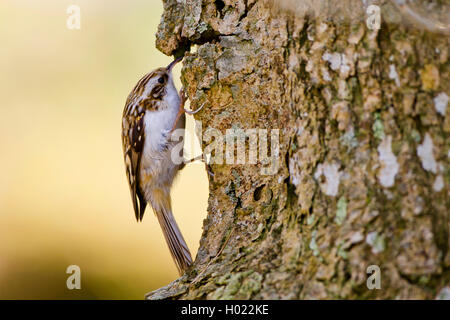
[{"x": 258, "y": 193}]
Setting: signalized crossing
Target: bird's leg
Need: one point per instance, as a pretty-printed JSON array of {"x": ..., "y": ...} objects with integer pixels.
[{"x": 182, "y": 110}]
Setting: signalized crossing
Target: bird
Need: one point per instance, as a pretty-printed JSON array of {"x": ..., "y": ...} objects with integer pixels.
[{"x": 153, "y": 111}]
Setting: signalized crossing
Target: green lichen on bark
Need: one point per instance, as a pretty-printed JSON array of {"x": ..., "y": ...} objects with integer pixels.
[{"x": 353, "y": 106}]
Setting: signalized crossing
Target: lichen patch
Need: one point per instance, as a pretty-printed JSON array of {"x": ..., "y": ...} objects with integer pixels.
[
  {"x": 393, "y": 75},
  {"x": 389, "y": 164},
  {"x": 330, "y": 186},
  {"x": 425, "y": 153},
  {"x": 376, "y": 241},
  {"x": 438, "y": 184},
  {"x": 440, "y": 103}
]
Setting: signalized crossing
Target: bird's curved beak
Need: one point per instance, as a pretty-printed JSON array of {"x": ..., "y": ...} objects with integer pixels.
[{"x": 173, "y": 63}]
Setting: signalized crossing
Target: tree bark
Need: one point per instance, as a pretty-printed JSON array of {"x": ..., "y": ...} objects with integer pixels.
[{"x": 364, "y": 149}]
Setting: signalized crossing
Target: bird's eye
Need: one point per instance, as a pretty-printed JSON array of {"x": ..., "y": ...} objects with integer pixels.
[{"x": 161, "y": 80}]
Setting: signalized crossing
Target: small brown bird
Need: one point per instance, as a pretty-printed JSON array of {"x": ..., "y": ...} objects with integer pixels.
[{"x": 152, "y": 111}]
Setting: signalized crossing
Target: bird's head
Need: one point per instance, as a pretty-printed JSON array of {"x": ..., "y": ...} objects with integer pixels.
[{"x": 158, "y": 84}]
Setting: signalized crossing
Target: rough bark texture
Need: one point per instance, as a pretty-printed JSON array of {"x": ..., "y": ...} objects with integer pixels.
[{"x": 364, "y": 151}]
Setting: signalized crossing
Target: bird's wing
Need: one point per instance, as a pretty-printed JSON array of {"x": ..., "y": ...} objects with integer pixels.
[{"x": 133, "y": 137}]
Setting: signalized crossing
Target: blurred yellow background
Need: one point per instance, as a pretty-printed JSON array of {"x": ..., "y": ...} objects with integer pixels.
[{"x": 64, "y": 197}]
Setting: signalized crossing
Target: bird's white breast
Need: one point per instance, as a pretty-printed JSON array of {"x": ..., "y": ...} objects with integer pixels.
[
  {"x": 158, "y": 123},
  {"x": 157, "y": 126},
  {"x": 157, "y": 170}
]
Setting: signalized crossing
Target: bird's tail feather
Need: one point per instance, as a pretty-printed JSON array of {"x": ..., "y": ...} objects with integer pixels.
[{"x": 177, "y": 246}]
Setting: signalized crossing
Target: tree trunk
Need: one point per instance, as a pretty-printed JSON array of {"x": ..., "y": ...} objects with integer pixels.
[{"x": 363, "y": 151}]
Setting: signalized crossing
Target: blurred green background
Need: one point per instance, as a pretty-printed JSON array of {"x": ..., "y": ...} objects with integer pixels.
[{"x": 64, "y": 197}]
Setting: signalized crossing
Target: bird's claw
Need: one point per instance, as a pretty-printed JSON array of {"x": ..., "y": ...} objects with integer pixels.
[
  {"x": 183, "y": 100},
  {"x": 194, "y": 111},
  {"x": 182, "y": 110}
]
